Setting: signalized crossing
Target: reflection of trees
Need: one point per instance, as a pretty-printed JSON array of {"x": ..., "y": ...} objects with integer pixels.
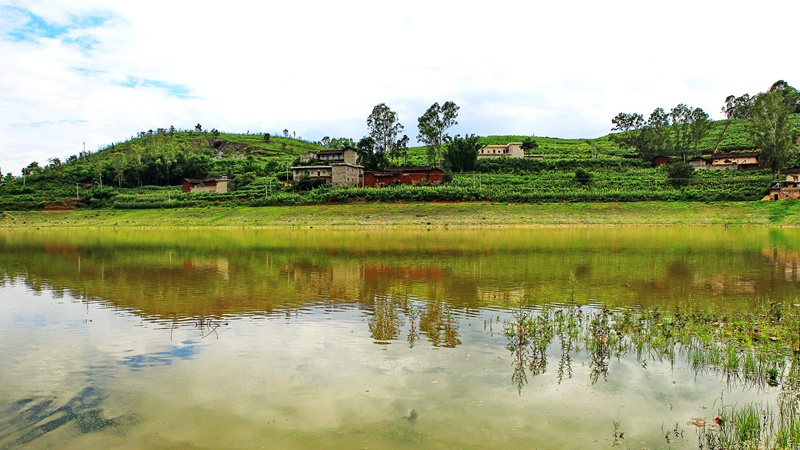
[
  {"x": 438, "y": 324},
  {"x": 528, "y": 336},
  {"x": 789, "y": 398},
  {"x": 567, "y": 324},
  {"x": 384, "y": 323}
]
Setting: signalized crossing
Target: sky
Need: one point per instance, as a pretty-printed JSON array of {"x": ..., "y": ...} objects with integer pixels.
[{"x": 81, "y": 74}]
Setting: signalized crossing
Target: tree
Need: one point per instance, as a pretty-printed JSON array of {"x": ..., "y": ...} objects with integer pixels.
[
  {"x": 339, "y": 143},
  {"x": 529, "y": 145},
  {"x": 198, "y": 128},
  {"x": 32, "y": 169},
  {"x": 582, "y": 176},
  {"x": 772, "y": 130},
  {"x": 738, "y": 107},
  {"x": 325, "y": 142},
  {"x": 462, "y": 153},
  {"x": 679, "y": 174},
  {"x": 699, "y": 127},
  {"x": 791, "y": 96},
  {"x": 433, "y": 126},
  {"x": 267, "y": 137},
  {"x": 369, "y": 155},
  {"x": 384, "y": 128},
  {"x": 680, "y": 118}
]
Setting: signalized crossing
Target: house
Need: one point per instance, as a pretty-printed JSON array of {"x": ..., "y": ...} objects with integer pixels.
[
  {"x": 336, "y": 167},
  {"x": 403, "y": 175},
  {"x": 785, "y": 190},
  {"x": 218, "y": 185},
  {"x": 510, "y": 150},
  {"x": 660, "y": 160},
  {"x": 699, "y": 162},
  {"x": 735, "y": 161}
]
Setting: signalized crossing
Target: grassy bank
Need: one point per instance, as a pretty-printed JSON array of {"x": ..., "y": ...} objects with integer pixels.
[{"x": 423, "y": 215}]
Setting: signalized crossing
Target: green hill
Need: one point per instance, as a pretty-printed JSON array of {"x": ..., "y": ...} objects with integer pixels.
[{"x": 145, "y": 171}]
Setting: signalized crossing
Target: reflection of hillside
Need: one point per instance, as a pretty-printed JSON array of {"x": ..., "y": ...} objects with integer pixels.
[
  {"x": 787, "y": 260},
  {"x": 216, "y": 273}
]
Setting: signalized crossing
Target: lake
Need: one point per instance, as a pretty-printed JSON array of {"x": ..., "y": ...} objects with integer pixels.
[{"x": 365, "y": 338}]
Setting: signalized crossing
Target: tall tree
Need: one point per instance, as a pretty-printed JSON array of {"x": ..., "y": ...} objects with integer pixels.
[
  {"x": 462, "y": 153},
  {"x": 529, "y": 145},
  {"x": 699, "y": 127},
  {"x": 384, "y": 129},
  {"x": 772, "y": 130},
  {"x": 680, "y": 118},
  {"x": 791, "y": 96},
  {"x": 433, "y": 127},
  {"x": 369, "y": 155},
  {"x": 738, "y": 107}
]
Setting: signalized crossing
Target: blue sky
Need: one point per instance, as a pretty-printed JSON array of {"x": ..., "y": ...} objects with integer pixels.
[{"x": 99, "y": 72}]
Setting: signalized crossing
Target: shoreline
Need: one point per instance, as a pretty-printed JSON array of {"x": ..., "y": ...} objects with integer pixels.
[{"x": 421, "y": 215}]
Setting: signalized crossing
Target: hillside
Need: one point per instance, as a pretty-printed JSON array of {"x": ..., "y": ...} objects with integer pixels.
[{"x": 145, "y": 171}]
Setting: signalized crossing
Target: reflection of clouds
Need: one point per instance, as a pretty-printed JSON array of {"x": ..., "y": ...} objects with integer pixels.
[
  {"x": 52, "y": 343},
  {"x": 165, "y": 358},
  {"x": 319, "y": 373}
]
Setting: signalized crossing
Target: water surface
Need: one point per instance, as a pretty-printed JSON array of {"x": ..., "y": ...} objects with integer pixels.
[{"x": 363, "y": 338}]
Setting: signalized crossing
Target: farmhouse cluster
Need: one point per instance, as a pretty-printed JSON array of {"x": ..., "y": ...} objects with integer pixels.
[{"x": 341, "y": 168}]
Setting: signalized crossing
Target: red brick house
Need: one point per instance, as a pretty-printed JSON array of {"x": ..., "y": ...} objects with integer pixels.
[{"x": 403, "y": 175}]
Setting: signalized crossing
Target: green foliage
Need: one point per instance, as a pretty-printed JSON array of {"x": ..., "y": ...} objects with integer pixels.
[
  {"x": 462, "y": 153},
  {"x": 679, "y": 173},
  {"x": 772, "y": 129},
  {"x": 433, "y": 125},
  {"x": 582, "y": 176},
  {"x": 384, "y": 129}
]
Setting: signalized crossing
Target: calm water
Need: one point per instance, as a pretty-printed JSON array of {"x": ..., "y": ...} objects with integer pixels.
[{"x": 353, "y": 339}]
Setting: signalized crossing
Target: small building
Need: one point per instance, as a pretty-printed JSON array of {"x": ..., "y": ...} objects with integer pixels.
[
  {"x": 403, "y": 175},
  {"x": 699, "y": 162},
  {"x": 660, "y": 160},
  {"x": 785, "y": 190},
  {"x": 336, "y": 167},
  {"x": 217, "y": 185},
  {"x": 735, "y": 161},
  {"x": 510, "y": 150}
]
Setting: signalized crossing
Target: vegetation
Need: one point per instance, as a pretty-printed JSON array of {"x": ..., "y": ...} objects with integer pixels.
[
  {"x": 433, "y": 127},
  {"x": 382, "y": 142},
  {"x": 143, "y": 172},
  {"x": 749, "y": 348}
]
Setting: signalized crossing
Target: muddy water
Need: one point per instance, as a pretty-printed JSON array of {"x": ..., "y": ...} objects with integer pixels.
[{"x": 332, "y": 339}]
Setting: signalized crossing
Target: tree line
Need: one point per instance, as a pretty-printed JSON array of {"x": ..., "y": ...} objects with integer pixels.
[{"x": 679, "y": 131}]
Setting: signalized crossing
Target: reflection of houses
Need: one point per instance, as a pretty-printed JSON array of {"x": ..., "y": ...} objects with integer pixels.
[
  {"x": 336, "y": 167},
  {"x": 785, "y": 190},
  {"x": 789, "y": 259},
  {"x": 216, "y": 185},
  {"x": 403, "y": 175}
]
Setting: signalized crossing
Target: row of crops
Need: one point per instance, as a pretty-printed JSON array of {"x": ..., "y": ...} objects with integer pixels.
[{"x": 605, "y": 186}]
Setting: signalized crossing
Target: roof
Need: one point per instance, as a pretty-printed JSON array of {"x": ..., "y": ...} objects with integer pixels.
[
  {"x": 333, "y": 152},
  {"x": 411, "y": 169},
  {"x": 795, "y": 169},
  {"x": 207, "y": 180},
  {"x": 734, "y": 155}
]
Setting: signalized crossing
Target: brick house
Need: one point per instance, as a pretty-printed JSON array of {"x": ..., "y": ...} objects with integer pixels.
[{"x": 403, "y": 175}]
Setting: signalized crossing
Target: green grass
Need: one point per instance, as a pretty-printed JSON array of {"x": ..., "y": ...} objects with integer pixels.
[{"x": 417, "y": 215}]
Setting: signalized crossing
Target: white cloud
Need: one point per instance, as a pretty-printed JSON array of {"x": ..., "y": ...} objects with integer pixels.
[{"x": 99, "y": 72}]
